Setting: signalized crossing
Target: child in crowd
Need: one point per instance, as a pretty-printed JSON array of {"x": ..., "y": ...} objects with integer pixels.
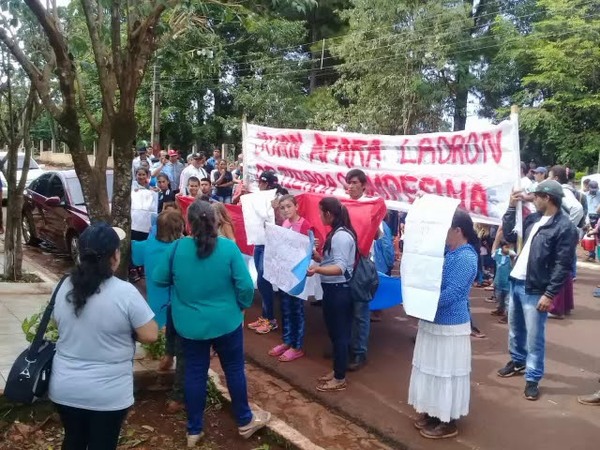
[
  {"x": 193, "y": 187},
  {"x": 224, "y": 222},
  {"x": 503, "y": 257},
  {"x": 292, "y": 307},
  {"x": 222, "y": 180}
]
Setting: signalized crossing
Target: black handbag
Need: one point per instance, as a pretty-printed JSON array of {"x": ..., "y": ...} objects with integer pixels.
[{"x": 29, "y": 376}]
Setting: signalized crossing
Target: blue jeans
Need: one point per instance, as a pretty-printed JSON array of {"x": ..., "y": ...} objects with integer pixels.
[
  {"x": 292, "y": 311},
  {"x": 527, "y": 331},
  {"x": 501, "y": 297},
  {"x": 361, "y": 327},
  {"x": 337, "y": 312},
  {"x": 230, "y": 348},
  {"x": 264, "y": 287}
]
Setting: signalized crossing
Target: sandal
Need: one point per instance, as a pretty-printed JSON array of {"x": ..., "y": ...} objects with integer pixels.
[
  {"x": 332, "y": 386},
  {"x": 327, "y": 377},
  {"x": 291, "y": 354},
  {"x": 279, "y": 350}
]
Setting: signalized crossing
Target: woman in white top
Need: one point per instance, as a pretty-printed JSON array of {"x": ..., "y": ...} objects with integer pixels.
[{"x": 99, "y": 318}]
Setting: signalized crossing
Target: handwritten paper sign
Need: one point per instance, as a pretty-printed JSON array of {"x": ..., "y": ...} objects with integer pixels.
[
  {"x": 477, "y": 167},
  {"x": 427, "y": 224},
  {"x": 285, "y": 251},
  {"x": 144, "y": 203},
  {"x": 257, "y": 211}
]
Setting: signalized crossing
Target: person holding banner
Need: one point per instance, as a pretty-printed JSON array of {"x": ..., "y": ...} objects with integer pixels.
[
  {"x": 440, "y": 386},
  {"x": 336, "y": 267},
  {"x": 292, "y": 308},
  {"x": 541, "y": 270}
]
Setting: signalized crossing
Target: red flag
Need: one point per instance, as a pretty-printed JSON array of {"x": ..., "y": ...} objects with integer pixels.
[{"x": 365, "y": 215}]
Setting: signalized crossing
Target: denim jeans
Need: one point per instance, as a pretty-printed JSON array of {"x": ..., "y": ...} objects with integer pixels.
[
  {"x": 527, "y": 331},
  {"x": 361, "y": 328},
  {"x": 264, "y": 287},
  {"x": 574, "y": 274},
  {"x": 292, "y": 311},
  {"x": 230, "y": 348},
  {"x": 337, "y": 312},
  {"x": 501, "y": 297}
]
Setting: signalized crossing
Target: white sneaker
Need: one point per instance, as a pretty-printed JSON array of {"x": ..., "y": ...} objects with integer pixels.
[
  {"x": 192, "y": 439},
  {"x": 259, "y": 420}
]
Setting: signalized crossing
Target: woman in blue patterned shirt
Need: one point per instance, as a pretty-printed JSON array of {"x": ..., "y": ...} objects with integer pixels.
[{"x": 440, "y": 385}]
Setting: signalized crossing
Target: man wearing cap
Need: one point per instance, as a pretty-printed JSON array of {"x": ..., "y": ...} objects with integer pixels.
[
  {"x": 195, "y": 169},
  {"x": 538, "y": 275},
  {"x": 137, "y": 161},
  {"x": 170, "y": 165}
]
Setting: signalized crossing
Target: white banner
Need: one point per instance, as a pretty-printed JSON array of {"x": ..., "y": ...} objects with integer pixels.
[
  {"x": 257, "y": 211},
  {"x": 479, "y": 168},
  {"x": 427, "y": 224},
  {"x": 144, "y": 203}
]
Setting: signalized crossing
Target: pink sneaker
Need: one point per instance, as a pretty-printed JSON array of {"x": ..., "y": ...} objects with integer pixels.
[
  {"x": 291, "y": 354},
  {"x": 278, "y": 350},
  {"x": 267, "y": 326},
  {"x": 257, "y": 323}
]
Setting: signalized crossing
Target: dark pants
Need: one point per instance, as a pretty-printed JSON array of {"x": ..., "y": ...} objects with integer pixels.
[
  {"x": 230, "y": 348},
  {"x": 90, "y": 430},
  {"x": 292, "y": 310},
  {"x": 337, "y": 312},
  {"x": 174, "y": 347},
  {"x": 264, "y": 287}
]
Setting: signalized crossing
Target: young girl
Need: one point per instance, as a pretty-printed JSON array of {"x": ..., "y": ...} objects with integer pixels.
[
  {"x": 339, "y": 254},
  {"x": 292, "y": 308},
  {"x": 166, "y": 196},
  {"x": 224, "y": 222},
  {"x": 222, "y": 181}
]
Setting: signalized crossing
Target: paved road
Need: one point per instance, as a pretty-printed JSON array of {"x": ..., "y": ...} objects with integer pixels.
[{"x": 500, "y": 417}]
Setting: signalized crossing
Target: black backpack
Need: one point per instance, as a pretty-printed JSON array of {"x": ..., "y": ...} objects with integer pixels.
[
  {"x": 29, "y": 377},
  {"x": 364, "y": 280}
]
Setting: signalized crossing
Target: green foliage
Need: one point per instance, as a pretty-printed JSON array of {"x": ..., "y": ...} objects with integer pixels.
[
  {"x": 31, "y": 324},
  {"x": 157, "y": 349}
]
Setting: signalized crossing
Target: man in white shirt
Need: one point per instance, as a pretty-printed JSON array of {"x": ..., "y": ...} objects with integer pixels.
[
  {"x": 539, "y": 273},
  {"x": 195, "y": 169}
]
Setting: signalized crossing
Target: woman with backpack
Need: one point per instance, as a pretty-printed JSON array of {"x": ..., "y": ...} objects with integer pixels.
[{"x": 336, "y": 267}]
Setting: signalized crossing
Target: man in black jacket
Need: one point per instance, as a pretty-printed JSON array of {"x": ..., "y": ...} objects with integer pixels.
[{"x": 538, "y": 275}]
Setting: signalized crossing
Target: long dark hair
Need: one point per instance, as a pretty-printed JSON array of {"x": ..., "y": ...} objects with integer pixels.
[
  {"x": 202, "y": 220},
  {"x": 341, "y": 218},
  {"x": 463, "y": 221},
  {"x": 86, "y": 277}
]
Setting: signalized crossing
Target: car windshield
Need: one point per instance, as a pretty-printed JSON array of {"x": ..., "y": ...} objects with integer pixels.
[{"x": 76, "y": 193}]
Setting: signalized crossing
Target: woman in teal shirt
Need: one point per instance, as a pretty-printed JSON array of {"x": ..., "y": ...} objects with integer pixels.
[{"x": 213, "y": 287}]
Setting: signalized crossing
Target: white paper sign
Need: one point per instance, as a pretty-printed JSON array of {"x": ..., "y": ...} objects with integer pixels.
[
  {"x": 427, "y": 224},
  {"x": 144, "y": 203},
  {"x": 284, "y": 250},
  {"x": 257, "y": 211}
]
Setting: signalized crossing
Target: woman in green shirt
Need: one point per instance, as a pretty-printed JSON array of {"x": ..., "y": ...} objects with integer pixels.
[{"x": 213, "y": 287}]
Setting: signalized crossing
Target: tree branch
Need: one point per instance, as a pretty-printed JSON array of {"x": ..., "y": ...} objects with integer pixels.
[
  {"x": 37, "y": 78},
  {"x": 115, "y": 27},
  {"x": 100, "y": 54}
]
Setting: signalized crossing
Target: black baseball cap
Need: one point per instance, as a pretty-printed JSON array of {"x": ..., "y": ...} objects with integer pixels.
[
  {"x": 550, "y": 187},
  {"x": 269, "y": 177},
  {"x": 99, "y": 239}
]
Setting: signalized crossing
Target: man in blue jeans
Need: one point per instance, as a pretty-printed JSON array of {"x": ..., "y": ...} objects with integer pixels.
[{"x": 538, "y": 275}]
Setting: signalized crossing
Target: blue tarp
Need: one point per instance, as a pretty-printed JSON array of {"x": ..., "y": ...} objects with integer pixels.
[{"x": 388, "y": 294}]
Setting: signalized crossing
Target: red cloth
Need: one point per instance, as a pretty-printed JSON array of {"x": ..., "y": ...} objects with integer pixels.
[
  {"x": 235, "y": 211},
  {"x": 365, "y": 215}
]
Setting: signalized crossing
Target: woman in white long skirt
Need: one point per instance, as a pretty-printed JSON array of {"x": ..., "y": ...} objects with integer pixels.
[{"x": 440, "y": 380}]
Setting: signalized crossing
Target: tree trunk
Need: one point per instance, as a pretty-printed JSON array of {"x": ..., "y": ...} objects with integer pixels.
[
  {"x": 12, "y": 259},
  {"x": 461, "y": 99},
  {"x": 124, "y": 132}
]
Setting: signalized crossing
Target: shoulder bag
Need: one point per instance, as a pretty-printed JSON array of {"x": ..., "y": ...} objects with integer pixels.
[{"x": 29, "y": 376}]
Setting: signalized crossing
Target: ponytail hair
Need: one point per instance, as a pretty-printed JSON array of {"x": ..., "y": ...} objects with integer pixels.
[
  {"x": 463, "y": 221},
  {"x": 87, "y": 276},
  {"x": 341, "y": 218},
  {"x": 202, "y": 220}
]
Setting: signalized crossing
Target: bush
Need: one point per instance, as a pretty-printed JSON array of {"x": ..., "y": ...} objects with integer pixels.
[{"x": 31, "y": 324}]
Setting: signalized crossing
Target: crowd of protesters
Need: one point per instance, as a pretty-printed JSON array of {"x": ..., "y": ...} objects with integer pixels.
[{"x": 529, "y": 284}]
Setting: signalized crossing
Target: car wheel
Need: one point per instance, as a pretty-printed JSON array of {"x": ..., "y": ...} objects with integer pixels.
[
  {"x": 28, "y": 229},
  {"x": 74, "y": 247}
]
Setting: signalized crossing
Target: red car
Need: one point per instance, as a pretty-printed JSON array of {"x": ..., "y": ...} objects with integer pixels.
[{"x": 54, "y": 210}]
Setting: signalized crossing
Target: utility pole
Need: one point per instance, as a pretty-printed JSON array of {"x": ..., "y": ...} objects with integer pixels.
[{"x": 155, "y": 133}]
